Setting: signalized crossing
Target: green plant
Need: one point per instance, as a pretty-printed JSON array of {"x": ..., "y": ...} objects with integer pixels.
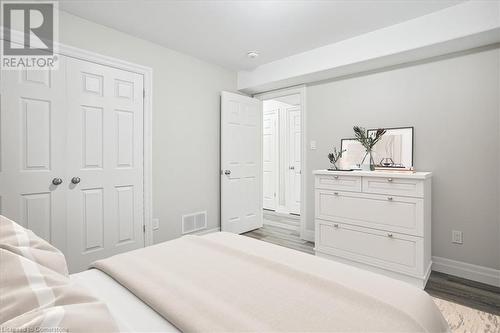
[
  {"x": 368, "y": 142},
  {"x": 335, "y": 156}
]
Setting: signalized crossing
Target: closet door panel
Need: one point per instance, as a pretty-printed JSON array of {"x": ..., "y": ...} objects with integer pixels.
[
  {"x": 294, "y": 159},
  {"x": 105, "y": 151},
  {"x": 270, "y": 158},
  {"x": 32, "y": 151}
]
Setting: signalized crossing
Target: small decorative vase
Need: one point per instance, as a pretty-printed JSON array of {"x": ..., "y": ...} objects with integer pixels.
[
  {"x": 334, "y": 166},
  {"x": 370, "y": 164}
]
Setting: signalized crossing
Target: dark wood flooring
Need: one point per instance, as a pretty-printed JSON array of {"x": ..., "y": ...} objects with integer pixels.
[
  {"x": 472, "y": 294},
  {"x": 450, "y": 288}
]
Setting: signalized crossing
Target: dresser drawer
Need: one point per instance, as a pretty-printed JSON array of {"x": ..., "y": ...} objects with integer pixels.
[
  {"x": 397, "y": 214},
  {"x": 394, "y": 186},
  {"x": 338, "y": 182},
  {"x": 396, "y": 252}
]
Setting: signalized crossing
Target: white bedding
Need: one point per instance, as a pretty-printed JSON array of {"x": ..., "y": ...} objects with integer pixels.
[
  {"x": 229, "y": 282},
  {"x": 129, "y": 312}
]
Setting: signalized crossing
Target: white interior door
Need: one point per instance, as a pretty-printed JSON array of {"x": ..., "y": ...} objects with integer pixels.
[
  {"x": 241, "y": 163},
  {"x": 270, "y": 158},
  {"x": 33, "y": 125},
  {"x": 294, "y": 160},
  {"x": 105, "y": 152}
]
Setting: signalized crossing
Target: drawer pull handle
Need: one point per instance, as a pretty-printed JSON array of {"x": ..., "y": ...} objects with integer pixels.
[
  {"x": 390, "y": 198},
  {"x": 335, "y": 225},
  {"x": 336, "y": 177},
  {"x": 336, "y": 193},
  {"x": 389, "y": 179},
  {"x": 389, "y": 235}
]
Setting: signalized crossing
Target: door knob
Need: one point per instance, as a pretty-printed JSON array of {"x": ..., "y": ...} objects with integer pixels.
[
  {"x": 57, "y": 181},
  {"x": 75, "y": 180},
  {"x": 227, "y": 172}
]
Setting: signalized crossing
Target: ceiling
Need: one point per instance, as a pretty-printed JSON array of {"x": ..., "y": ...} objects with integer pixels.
[{"x": 222, "y": 32}]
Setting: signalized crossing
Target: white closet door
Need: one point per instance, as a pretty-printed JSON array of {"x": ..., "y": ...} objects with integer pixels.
[
  {"x": 33, "y": 125},
  {"x": 270, "y": 158},
  {"x": 294, "y": 155},
  {"x": 105, "y": 151},
  {"x": 241, "y": 163}
]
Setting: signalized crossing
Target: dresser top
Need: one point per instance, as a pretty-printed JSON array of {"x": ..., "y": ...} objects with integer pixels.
[{"x": 382, "y": 173}]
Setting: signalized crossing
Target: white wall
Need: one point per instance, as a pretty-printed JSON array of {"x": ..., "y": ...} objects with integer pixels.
[
  {"x": 454, "y": 105},
  {"x": 186, "y": 120}
]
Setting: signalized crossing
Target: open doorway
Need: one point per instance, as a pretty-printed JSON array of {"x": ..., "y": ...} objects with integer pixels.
[{"x": 282, "y": 160}]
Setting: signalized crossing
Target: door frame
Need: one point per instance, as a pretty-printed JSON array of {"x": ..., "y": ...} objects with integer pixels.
[
  {"x": 301, "y": 90},
  {"x": 147, "y": 73}
]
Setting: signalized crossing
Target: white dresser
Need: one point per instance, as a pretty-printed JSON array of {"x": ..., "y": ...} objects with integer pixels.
[{"x": 376, "y": 220}]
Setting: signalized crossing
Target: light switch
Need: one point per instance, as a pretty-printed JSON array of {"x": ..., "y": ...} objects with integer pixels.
[
  {"x": 313, "y": 144},
  {"x": 156, "y": 223}
]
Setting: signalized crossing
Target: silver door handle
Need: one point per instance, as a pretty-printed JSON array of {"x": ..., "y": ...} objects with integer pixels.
[
  {"x": 75, "y": 180},
  {"x": 227, "y": 172},
  {"x": 57, "y": 181}
]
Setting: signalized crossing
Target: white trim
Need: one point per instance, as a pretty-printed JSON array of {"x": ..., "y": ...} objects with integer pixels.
[
  {"x": 307, "y": 235},
  {"x": 464, "y": 270},
  {"x": 205, "y": 232},
  {"x": 147, "y": 73},
  {"x": 301, "y": 90}
]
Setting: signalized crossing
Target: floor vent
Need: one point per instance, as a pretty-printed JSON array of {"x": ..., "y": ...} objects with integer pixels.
[{"x": 194, "y": 222}]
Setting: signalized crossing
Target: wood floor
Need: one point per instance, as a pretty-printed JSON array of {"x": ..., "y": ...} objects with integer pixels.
[
  {"x": 457, "y": 290},
  {"x": 286, "y": 221},
  {"x": 281, "y": 236}
]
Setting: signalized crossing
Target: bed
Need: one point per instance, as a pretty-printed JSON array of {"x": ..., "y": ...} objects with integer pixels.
[
  {"x": 227, "y": 282},
  {"x": 128, "y": 311}
]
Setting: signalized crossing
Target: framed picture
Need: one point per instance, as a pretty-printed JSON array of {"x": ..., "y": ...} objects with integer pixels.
[
  {"x": 395, "y": 148},
  {"x": 353, "y": 155}
]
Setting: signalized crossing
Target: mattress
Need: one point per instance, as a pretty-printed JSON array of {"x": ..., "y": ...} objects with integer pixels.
[
  {"x": 227, "y": 282},
  {"x": 133, "y": 315},
  {"x": 129, "y": 312}
]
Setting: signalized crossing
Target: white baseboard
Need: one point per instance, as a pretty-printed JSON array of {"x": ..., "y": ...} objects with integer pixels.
[
  {"x": 464, "y": 270},
  {"x": 307, "y": 235},
  {"x": 280, "y": 225},
  {"x": 206, "y": 231}
]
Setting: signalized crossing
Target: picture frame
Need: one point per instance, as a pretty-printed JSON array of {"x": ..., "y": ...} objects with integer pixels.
[
  {"x": 353, "y": 154},
  {"x": 395, "y": 148}
]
